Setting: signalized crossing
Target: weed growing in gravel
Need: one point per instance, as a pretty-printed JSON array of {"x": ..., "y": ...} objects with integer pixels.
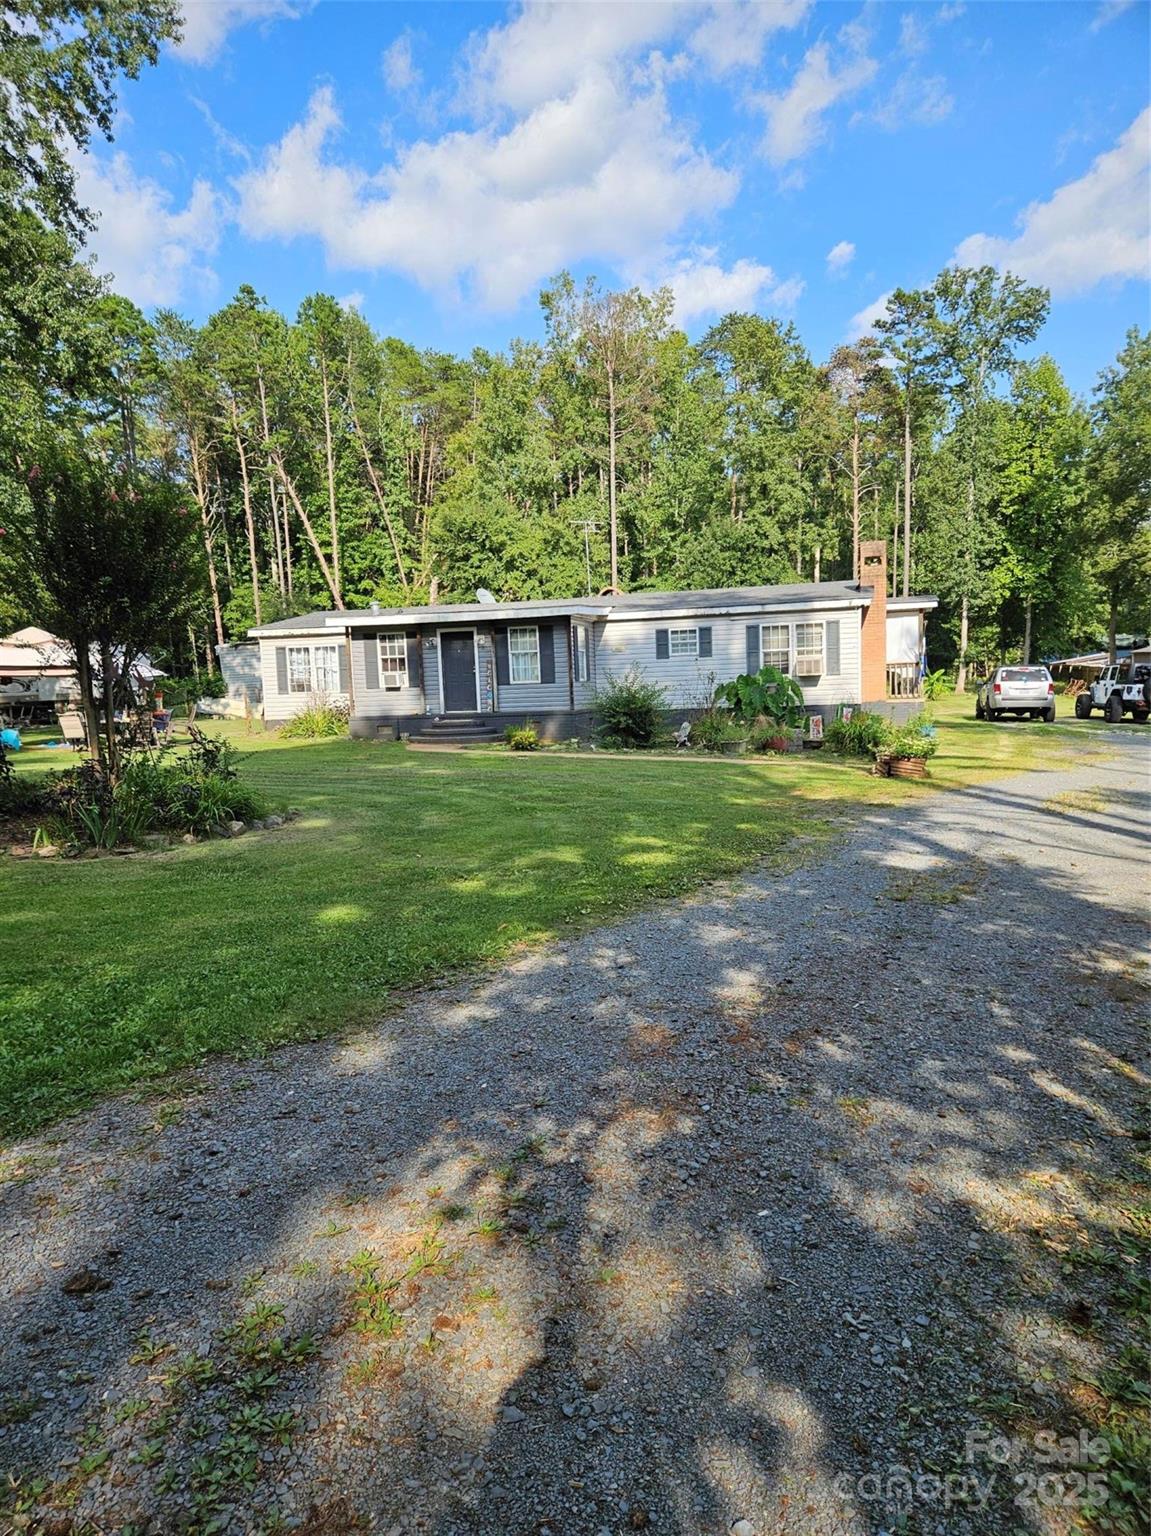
[
  {"x": 857, "y": 1109},
  {"x": 454, "y": 1212},
  {"x": 372, "y": 1311},
  {"x": 305, "y": 1269}
]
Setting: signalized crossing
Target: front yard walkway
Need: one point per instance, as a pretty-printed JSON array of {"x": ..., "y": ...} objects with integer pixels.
[{"x": 711, "y": 1220}]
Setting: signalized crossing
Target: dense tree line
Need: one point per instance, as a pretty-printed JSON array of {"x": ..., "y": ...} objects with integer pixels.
[{"x": 329, "y": 466}]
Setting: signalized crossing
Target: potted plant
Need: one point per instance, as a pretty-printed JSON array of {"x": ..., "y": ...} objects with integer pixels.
[{"x": 905, "y": 750}]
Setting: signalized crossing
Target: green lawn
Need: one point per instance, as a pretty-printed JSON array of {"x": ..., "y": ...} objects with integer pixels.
[{"x": 401, "y": 866}]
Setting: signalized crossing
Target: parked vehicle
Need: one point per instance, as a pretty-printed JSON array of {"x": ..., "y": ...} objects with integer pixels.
[
  {"x": 1022, "y": 691},
  {"x": 1120, "y": 689}
]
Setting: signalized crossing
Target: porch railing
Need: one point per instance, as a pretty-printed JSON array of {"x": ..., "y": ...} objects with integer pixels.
[{"x": 903, "y": 681}]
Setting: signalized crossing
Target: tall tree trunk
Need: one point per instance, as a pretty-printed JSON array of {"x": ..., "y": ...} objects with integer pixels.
[
  {"x": 612, "y": 508},
  {"x": 329, "y": 458},
  {"x": 961, "y": 672},
  {"x": 376, "y": 487},
  {"x": 249, "y": 522},
  {"x": 282, "y": 579},
  {"x": 1027, "y": 632},
  {"x": 201, "y": 492},
  {"x": 1112, "y": 624},
  {"x": 88, "y": 699},
  {"x": 108, "y": 689},
  {"x": 907, "y": 496},
  {"x": 855, "y": 498},
  {"x": 325, "y": 568}
]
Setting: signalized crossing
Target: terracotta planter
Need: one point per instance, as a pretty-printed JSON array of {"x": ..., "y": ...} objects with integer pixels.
[{"x": 908, "y": 768}]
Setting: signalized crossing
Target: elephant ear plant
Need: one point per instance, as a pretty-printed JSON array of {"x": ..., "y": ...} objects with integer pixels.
[{"x": 768, "y": 694}]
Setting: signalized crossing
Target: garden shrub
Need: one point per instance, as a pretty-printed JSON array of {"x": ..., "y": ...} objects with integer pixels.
[
  {"x": 18, "y": 796},
  {"x": 151, "y": 792},
  {"x": 629, "y": 711},
  {"x": 766, "y": 736},
  {"x": 769, "y": 693},
  {"x": 861, "y": 736},
  {"x": 522, "y": 738},
  {"x": 318, "y": 718},
  {"x": 715, "y": 730}
]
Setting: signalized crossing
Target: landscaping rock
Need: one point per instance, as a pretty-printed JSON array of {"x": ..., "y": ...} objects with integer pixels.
[
  {"x": 47, "y": 851},
  {"x": 236, "y": 828}
]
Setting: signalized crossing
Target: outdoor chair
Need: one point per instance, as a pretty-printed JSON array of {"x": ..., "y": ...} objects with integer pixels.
[{"x": 682, "y": 735}]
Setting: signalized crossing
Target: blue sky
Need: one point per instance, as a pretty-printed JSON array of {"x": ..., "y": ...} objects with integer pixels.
[{"x": 435, "y": 163}]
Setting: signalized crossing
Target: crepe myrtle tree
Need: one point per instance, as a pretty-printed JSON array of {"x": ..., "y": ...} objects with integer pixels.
[{"x": 109, "y": 560}]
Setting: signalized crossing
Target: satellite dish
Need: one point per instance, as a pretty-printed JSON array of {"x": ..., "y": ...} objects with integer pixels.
[{"x": 484, "y": 596}]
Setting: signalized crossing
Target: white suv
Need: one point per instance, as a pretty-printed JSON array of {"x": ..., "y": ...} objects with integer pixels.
[
  {"x": 1120, "y": 689},
  {"x": 1016, "y": 691}
]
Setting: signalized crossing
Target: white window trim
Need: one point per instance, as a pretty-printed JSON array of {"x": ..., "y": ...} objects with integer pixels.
[
  {"x": 763, "y": 646},
  {"x": 335, "y": 650},
  {"x": 388, "y": 663},
  {"x": 524, "y": 629},
  {"x": 683, "y": 629},
  {"x": 792, "y": 626},
  {"x": 822, "y": 652},
  {"x": 581, "y": 668},
  {"x": 299, "y": 650}
]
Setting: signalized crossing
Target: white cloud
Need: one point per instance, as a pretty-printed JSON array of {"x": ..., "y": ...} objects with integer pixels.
[
  {"x": 733, "y": 32},
  {"x": 840, "y": 257},
  {"x": 1090, "y": 230},
  {"x": 1109, "y": 11},
  {"x": 795, "y": 117},
  {"x": 399, "y": 68},
  {"x": 547, "y": 49},
  {"x": 863, "y": 323},
  {"x": 912, "y": 34},
  {"x": 598, "y": 173},
  {"x": 703, "y": 286},
  {"x": 207, "y": 23},
  {"x": 914, "y": 98},
  {"x": 353, "y": 300},
  {"x": 155, "y": 253}
]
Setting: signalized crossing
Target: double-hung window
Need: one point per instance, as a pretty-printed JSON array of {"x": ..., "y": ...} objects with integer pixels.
[
  {"x": 524, "y": 654},
  {"x": 777, "y": 647},
  {"x": 581, "y": 659},
  {"x": 299, "y": 669},
  {"x": 326, "y": 662},
  {"x": 809, "y": 650},
  {"x": 394, "y": 661},
  {"x": 683, "y": 642}
]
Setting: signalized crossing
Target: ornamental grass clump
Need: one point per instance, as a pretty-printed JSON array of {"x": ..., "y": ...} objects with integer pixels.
[{"x": 319, "y": 718}]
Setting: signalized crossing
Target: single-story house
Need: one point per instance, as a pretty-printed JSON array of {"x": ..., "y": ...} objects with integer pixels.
[{"x": 469, "y": 669}]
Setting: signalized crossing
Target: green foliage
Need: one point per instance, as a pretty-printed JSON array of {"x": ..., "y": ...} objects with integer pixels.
[
  {"x": 318, "y": 718},
  {"x": 768, "y": 693},
  {"x": 629, "y": 711},
  {"x": 522, "y": 738},
  {"x": 195, "y": 791},
  {"x": 860, "y": 736},
  {"x": 915, "y": 739},
  {"x": 938, "y": 684},
  {"x": 715, "y": 730}
]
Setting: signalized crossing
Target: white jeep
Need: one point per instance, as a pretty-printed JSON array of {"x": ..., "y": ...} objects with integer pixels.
[{"x": 1120, "y": 689}]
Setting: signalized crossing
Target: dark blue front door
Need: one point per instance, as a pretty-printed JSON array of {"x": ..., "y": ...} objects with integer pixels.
[{"x": 458, "y": 661}]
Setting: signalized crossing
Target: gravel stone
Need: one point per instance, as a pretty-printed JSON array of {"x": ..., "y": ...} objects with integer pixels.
[{"x": 693, "y": 1220}]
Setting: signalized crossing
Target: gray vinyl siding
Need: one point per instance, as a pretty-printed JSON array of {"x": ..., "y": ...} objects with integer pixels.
[
  {"x": 279, "y": 706},
  {"x": 512, "y": 698},
  {"x": 624, "y": 643},
  {"x": 379, "y": 703}
]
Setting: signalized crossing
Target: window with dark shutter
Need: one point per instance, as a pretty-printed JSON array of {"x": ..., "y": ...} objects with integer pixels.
[
  {"x": 415, "y": 660},
  {"x": 281, "y": 669},
  {"x": 705, "y": 641},
  {"x": 661, "y": 651},
  {"x": 753, "y": 648},
  {"x": 547, "y": 653},
  {"x": 503, "y": 672},
  {"x": 345, "y": 683}
]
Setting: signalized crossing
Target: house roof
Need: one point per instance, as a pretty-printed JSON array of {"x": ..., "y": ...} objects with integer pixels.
[{"x": 622, "y": 605}]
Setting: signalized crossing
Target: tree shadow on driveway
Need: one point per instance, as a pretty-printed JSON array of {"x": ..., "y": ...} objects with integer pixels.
[{"x": 726, "y": 1213}]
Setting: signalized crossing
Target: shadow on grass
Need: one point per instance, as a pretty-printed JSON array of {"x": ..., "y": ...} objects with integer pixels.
[{"x": 731, "y": 1212}]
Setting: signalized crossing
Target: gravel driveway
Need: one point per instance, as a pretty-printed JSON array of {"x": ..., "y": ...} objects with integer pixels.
[{"x": 705, "y": 1221}]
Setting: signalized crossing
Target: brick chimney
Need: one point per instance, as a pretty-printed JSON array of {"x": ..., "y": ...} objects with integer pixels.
[{"x": 873, "y": 639}]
